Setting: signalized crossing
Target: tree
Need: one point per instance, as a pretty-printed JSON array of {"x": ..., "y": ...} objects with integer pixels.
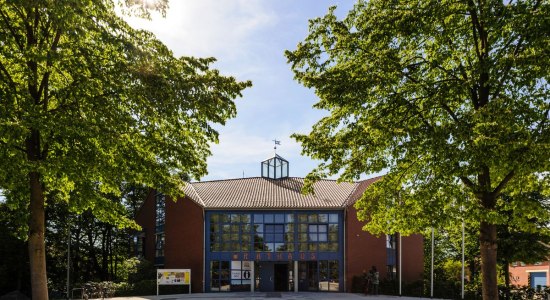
[
  {"x": 530, "y": 245},
  {"x": 450, "y": 98},
  {"x": 88, "y": 103},
  {"x": 14, "y": 272}
]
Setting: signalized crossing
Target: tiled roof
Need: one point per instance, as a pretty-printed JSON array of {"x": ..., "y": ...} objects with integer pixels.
[
  {"x": 360, "y": 187},
  {"x": 265, "y": 193}
]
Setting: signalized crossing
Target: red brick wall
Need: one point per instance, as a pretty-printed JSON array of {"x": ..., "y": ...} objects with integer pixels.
[
  {"x": 184, "y": 229},
  {"x": 519, "y": 275},
  {"x": 145, "y": 217},
  {"x": 413, "y": 258},
  {"x": 364, "y": 250}
]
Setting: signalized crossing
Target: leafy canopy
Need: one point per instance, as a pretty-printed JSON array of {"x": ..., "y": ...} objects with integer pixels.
[
  {"x": 88, "y": 102},
  {"x": 450, "y": 98}
]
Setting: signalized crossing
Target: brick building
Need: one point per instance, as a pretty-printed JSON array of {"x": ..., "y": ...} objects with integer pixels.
[
  {"x": 533, "y": 275},
  {"x": 263, "y": 234}
]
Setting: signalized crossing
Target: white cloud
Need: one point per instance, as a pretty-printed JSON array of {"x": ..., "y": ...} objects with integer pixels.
[
  {"x": 239, "y": 147},
  {"x": 208, "y": 27}
]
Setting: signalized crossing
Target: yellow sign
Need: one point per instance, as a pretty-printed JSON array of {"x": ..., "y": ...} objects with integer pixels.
[{"x": 173, "y": 276}]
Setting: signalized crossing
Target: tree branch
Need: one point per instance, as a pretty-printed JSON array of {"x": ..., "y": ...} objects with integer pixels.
[
  {"x": 8, "y": 23},
  {"x": 451, "y": 113},
  {"x": 14, "y": 146},
  {"x": 503, "y": 183},
  {"x": 10, "y": 79},
  {"x": 475, "y": 26},
  {"x": 467, "y": 182}
]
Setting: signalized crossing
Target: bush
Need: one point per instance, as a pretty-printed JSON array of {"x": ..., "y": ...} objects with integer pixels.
[
  {"x": 135, "y": 270},
  {"x": 141, "y": 288},
  {"x": 358, "y": 284}
]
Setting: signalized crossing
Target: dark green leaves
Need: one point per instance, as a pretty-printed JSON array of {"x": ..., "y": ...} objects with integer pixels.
[
  {"x": 438, "y": 94},
  {"x": 110, "y": 104}
]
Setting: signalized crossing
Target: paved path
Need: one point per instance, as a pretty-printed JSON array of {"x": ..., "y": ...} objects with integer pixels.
[{"x": 260, "y": 295}]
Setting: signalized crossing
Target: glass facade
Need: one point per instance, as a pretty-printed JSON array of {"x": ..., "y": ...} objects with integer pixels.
[
  {"x": 269, "y": 245},
  {"x": 274, "y": 232},
  {"x": 275, "y": 167},
  {"x": 160, "y": 215},
  {"x": 391, "y": 257}
]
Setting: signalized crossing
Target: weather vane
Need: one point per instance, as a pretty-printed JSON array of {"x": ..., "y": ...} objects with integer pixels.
[{"x": 276, "y": 143}]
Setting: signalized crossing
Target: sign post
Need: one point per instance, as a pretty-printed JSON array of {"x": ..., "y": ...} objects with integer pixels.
[{"x": 173, "y": 277}]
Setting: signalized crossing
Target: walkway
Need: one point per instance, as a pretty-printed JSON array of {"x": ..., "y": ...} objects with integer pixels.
[{"x": 260, "y": 295}]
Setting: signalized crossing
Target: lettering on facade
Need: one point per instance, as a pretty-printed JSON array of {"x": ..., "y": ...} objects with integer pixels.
[{"x": 263, "y": 256}]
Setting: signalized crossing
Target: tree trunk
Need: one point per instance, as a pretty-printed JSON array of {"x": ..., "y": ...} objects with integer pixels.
[
  {"x": 37, "y": 254},
  {"x": 506, "y": 270},
  {"x": 488, "y": 250}
]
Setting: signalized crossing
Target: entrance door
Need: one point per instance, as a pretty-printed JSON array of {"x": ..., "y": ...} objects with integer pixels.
[
  {"x": 266, "y": 277},
  {"x": 281, "y": 277}
]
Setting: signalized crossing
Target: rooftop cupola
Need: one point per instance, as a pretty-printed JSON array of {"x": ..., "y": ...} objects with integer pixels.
[{"x": 275, "y": 167}]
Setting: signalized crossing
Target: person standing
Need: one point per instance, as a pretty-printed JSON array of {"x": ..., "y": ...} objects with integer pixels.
[
  {"x": 375, "y": 280},
  {"x": 366, "y": 282}
]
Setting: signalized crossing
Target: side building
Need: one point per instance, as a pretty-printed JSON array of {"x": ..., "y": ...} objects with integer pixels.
[
  {"x": 532, "y": 275},
  {"x": 263, "y": 234}
]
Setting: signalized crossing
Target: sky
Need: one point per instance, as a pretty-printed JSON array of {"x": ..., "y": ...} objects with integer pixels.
[{"x": 248, "y": 38}]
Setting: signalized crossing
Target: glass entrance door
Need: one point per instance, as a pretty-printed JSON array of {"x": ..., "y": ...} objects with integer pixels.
[
  {"x": 266, "y": 277},
  {"x": 281, "y": 277}
]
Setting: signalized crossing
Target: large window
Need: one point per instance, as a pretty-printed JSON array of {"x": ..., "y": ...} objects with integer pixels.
[
  {"x": 322, "y": 275},
  {"x": 230, "y": 232},
  {"x": 160, "y": 214},
  {"x": 160, "y": 209},
  {"x": 318, "y": 232},
  {"x": 391, "y": 259},
  {"x": 220, "y": 275},
  {"x": 274, "y": 232},
  {"x": 159, "y": 245},
  {"x": 329, "y": 275},
  {"x": 274, "y": 236}
]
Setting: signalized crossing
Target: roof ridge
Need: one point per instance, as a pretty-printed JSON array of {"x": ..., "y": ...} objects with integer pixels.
[
  {"x": 358, "y": 184},
  {"x": 257, "y": 177},
  {"x": 195, "y": 194}
]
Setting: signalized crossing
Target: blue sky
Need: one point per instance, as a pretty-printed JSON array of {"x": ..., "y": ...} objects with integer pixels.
[{"x": 249, "y": 37}]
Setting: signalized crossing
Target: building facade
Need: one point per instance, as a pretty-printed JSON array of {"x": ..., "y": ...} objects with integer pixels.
[
  {"x": 263, "y": 234},
  {"x": 532, "y": 275}
]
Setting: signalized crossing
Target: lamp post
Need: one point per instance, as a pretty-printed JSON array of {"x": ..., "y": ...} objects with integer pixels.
[
  {"x": 432, "y": 268},
  {"x": 400, "y": 263},
  {"x": 68, "y": 260},
  {"x": 462, "y": 283}
]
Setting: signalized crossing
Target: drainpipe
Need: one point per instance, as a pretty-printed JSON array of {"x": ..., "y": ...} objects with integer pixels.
[
  {"x": 400, "y": 249},
  {"x": 203, "y": 251},
  {"x": 345, "y": 240}
]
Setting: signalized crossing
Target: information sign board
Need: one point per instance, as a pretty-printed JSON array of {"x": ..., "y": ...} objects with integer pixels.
[{"x": 173, "y": 277}]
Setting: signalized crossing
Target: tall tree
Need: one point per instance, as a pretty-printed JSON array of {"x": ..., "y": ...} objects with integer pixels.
[
  {"x": 87, "y": 102},
  {"x": 451, "y": 98}
]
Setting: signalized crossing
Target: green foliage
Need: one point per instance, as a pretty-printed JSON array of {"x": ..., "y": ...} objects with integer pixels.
[
  {"x": 14, "y": 272},
  {"x": 410, "y": 90},
  {"x": 136, "y": 269},
  {"x": 450, "y": 98},
  {"x": 88, "y": 103}
]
